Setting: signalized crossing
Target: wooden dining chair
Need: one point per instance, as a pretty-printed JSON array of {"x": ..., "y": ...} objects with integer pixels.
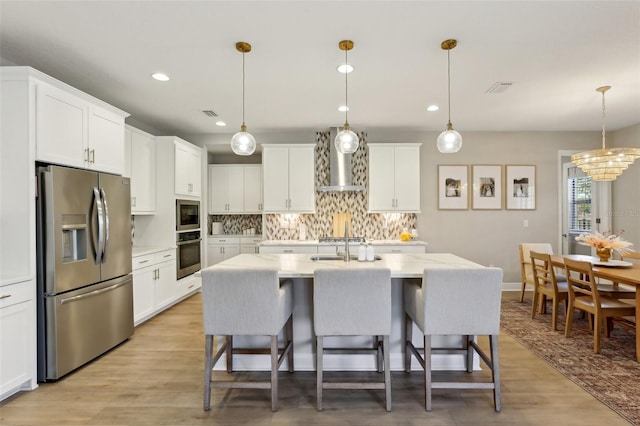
[
  {"x": 526, "y": 270},
  {"x": 585, "y": 296},
  {"x": 546, "y": 285}
]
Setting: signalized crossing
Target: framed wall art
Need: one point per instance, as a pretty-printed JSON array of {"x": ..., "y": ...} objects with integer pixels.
[
  {"x": 453, "y": 188},
  {"x": 486, "y": 187},
  {"x": 520, "y": 188}
]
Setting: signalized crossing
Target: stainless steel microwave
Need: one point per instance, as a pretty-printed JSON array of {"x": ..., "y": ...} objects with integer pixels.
[{"x": 187, "y": 215}]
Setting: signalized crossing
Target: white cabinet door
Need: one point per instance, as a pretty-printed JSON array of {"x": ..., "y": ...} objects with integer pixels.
[
  {"x": 17, "y": 338},
  {"x": 289, "y": 177},
  {"x": 217, "y": 189},
  {"x": 275, "y": 163},
  {"x": 407, "y": 178},
  {"x": 165, "y": 291},
  {"x": 143, "y": 293},
  {"x": 216, "y": 253},
  {"x": 61, "y": 127},
  {"x": 394, "y": 178},
  {"x": 253, "y": 189},
  {"x": 381, "y": 179},
  {"x": 143, "y": 173},
  {"x": 302, "y": 195},
  {"x": 187, "y": 169},
  {"x": 106, "y": 140},
  {"x": 182, "y": 159},
  {"x": 235, "y": 189}
]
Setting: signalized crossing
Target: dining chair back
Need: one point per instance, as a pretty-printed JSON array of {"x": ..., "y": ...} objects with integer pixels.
[
  {"x": 246, "y": 303},
  {"x": 353, "y": 302},
  {"x": 546, "y": 285},
  {"x": 464, "y": 302},
  {"x": 526, "y": 270},
  {"x": 584, "y": 295}
]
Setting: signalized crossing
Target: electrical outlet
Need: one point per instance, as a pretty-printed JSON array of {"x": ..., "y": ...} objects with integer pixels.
[{"x": 525, "y": 223}]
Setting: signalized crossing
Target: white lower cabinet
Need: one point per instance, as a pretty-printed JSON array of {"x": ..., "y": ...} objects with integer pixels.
[
  {"x": 387, "y": 248},
  {"x": 293, "y": 248},
  {"x": 220, "y": 248},
  {"x": 17, "y": 338},
  {"x": 249, "y": 244},
  {"x": 154, "y": 284}
]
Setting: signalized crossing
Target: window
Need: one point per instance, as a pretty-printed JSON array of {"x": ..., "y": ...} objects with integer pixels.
[{"x": 579, "y": 201}]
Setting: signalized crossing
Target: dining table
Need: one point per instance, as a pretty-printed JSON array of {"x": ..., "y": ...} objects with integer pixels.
[{"x": 619, "y": 272}]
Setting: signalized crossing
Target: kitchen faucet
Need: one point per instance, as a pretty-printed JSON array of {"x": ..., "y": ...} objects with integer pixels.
[{"x": 347, "y": 257}]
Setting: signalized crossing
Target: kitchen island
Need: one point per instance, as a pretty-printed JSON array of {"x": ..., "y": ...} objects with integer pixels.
[{"x": 300, "y": 268}]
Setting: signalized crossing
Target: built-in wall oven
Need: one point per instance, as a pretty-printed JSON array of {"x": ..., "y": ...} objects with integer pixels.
[
  {"x": 187, "y": 215},
  {"x": 188, "y": 259},
  {"x": 188, "y": 237}
]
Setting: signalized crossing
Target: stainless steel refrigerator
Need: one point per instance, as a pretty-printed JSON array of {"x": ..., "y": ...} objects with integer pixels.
[{"x": 85, "y": 289}]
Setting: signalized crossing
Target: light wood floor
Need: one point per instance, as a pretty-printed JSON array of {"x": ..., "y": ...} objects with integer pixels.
[{"x": 156, "y": 379}]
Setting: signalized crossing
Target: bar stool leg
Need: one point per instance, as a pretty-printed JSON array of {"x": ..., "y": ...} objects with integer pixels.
[
  {"x": 208, "y": 353},
  {"x": 427, "y": 372},
  {"x": 387, "y": 371},
  {"x": 274, "y": 373},
  {"x": 319, "y": 349}
]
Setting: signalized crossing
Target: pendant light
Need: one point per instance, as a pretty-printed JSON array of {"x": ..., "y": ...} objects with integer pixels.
[
  {"x": 449, "y": 141},
  {"x": 605, "y": 164},
  {"x": 243, "y": 142},
  {"x": 346, "y": 141}
]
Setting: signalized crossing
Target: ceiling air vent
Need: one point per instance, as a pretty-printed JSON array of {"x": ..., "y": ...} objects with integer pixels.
[
  {"x": 499, "y": 87},
  {"x": 210, "y": 113}
]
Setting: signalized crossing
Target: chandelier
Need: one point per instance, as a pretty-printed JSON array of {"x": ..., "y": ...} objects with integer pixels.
[{"x": 605, "y": 164}]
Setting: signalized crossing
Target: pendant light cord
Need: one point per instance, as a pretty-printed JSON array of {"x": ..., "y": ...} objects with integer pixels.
[
  {"x": 449, "y": 81},
  {"x": 243, "y": 88},
  {"x": 346, "y": 88},
  {"x": 603, "y": 114}
]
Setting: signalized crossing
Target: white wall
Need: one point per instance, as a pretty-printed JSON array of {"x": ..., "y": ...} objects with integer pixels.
[{"x": 625, "y": 210}]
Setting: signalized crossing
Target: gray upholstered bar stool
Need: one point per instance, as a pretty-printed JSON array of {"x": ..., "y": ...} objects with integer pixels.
[
  {"x": 247, "y": 303},
  {"x": 353, "y": 302},
  {"x": 462, "y": 302}
]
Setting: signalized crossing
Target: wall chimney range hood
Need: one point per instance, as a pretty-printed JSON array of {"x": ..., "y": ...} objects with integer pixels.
[{"x": 339, "y": 168}]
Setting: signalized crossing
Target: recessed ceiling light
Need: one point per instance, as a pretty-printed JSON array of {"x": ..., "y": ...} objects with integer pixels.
[
  {"x": 432, "y": 108},
  {"x": 343, "y": 108},
  {"x": 345, "y": 68},
  {"x": 160, "y": 76},
  {"x": 221, "y": 123}
]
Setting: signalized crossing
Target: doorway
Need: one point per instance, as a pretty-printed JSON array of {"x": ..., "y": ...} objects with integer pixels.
[{"x": 585, "y": 204}]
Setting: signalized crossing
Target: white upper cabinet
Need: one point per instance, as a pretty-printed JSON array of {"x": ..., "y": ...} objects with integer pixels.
[
  {"x": 226, "y": 189},
  {"x": 140, "y": 166},
  {"x": 73, "y": 131},
  {"x": 253, "y": 188},
  {"x": 188, "y": 168},
  {"x": 394, "y": 178},
  {"x": 235, "y": 188},
  {"x": 289, "y": 177}
]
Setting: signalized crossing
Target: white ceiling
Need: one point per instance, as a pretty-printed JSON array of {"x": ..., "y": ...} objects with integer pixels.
[{"x": 554, "y": 52}]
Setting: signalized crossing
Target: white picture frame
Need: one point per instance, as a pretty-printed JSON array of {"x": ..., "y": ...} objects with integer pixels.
[
  {"x": 453, "y": 187},
  {"x": 487, "y": 188},
  {"x": 520, "y": 187}
]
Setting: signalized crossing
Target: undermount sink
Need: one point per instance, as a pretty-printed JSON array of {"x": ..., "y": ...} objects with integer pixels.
[{"x": 336, "y": 257}]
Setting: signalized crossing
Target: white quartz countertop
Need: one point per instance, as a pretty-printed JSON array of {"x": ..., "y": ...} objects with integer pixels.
[
  {"x": 144, "y": 250},
  {"x": 316, "y": 242},
  {"x": 402, "y": 265}
]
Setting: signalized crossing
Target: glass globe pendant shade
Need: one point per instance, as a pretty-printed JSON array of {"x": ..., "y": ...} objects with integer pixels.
[
  {"x": 346, "y": 141},
  {"x": 449, "y": 141},
  {"x": 243, "y": 142}
]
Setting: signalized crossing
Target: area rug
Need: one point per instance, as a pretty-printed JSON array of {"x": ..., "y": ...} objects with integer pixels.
[{"x": 613, "y": 376}]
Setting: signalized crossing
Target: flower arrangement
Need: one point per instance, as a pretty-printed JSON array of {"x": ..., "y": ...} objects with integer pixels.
[{"x": 605, "y": 240}]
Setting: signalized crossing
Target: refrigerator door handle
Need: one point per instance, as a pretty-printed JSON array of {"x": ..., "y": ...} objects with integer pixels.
[
  {"x": 98, "y": 208},
  {"x": 93, "y": 293},
  {"x": 106, "y": 224}
]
